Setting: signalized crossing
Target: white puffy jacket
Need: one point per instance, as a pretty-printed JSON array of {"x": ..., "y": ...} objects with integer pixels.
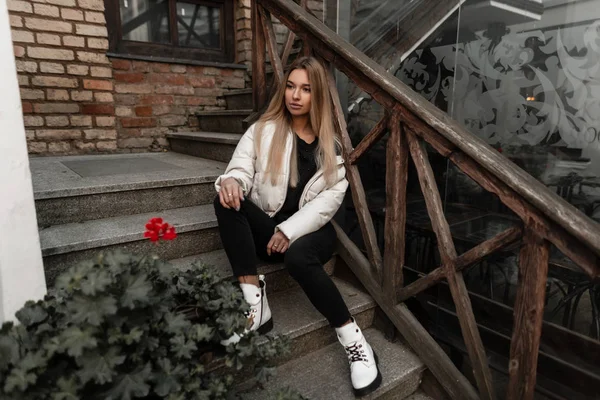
[{"x": 318, "y": 203}]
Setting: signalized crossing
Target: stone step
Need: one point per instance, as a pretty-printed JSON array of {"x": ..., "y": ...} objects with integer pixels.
[
  {"x": 65, "y": 245},
  {"x": 209, "y": 145},
  {"x": 277, "y": 277},
  {"x": 324, "y": 374},
  {"x": 82, "y": 188},
  {"x": 239, "y": 99},
  {"x": 225, "y": 121}
]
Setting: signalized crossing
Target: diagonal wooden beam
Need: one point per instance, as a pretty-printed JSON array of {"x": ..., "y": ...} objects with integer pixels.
[
  {"x": 370, "y": 139},
  {"x": 435, "y": 209},
  {"x": 353, "y": 175},
  {"x": 396, "y": 177},
  {"x": 287, "y": 48},
  {"x": 529, "y": 314},
  {"x": 471, "y": 257},
  {"x": 458, "y": 289},
  {"x": 267, "y": 26}
]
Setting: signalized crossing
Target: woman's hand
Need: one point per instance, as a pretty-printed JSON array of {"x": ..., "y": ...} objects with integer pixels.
[
  {"x": 279, "y": 243},
  {"x": 231, "y": 194}
]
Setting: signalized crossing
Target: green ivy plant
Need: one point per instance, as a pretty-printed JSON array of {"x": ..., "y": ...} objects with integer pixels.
[{"x": 123, "y": 326}]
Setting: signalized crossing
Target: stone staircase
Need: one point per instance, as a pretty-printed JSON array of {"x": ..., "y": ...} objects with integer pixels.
[{"x": 98, "y": 202}]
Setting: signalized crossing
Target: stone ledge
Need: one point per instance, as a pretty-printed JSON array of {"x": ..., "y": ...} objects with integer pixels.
[{"x": 211, "y": 137}]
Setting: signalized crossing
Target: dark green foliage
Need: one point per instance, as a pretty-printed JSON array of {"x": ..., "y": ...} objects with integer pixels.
[{"x": 123, "y": 327}]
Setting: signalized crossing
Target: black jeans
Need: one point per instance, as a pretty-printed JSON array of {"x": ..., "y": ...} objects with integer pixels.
[{"x": 245, "y": 235}]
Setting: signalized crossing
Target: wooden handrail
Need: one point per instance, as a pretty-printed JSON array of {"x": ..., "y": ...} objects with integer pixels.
[
  {"x": 386, "y": 88},
  {"x": 412, "y": 121}
]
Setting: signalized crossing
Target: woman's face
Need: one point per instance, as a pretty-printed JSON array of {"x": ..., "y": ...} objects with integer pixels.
[{"x": 297, "y": 93}]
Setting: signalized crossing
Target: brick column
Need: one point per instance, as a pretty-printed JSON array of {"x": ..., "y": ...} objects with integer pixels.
[
  {"x": 21, "y": 269},
  {"x": 64, "y": 74}
]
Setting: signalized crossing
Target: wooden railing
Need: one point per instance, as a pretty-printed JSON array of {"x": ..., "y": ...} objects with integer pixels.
[{"x": 412, "y": 121}]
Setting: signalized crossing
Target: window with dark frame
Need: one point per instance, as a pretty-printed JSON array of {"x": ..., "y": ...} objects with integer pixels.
[{"x": 201, "y": 30}]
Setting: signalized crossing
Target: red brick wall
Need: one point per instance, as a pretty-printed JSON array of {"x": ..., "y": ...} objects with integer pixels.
[
  {"x": 60, "y": 48},
  {"x": 77, "y": 100}
]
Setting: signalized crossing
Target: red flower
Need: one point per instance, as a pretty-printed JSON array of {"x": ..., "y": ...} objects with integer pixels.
[{"x": 156, "y": 229}]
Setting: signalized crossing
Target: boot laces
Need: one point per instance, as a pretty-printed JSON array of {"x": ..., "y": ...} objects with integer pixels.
[{"x": 355, "y": 353}]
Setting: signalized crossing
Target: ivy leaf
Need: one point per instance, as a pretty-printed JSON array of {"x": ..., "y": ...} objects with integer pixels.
[
  {"x": 74, "y": 341},
  {"x": 20, "y": 379},
  {"x": 92, "y": 309},
  {"x": 9, "y": 351},
  {"x": 181, "y": 347},
  {"x": 137, "y": 289},
  {"x": 33, "y": 360},
  {"x": 67, "y": 389},
  {"x": 131, "y": 385},
  {"x": 100, "y": 367},
  {"x": 52, "y": 346},
  {"x": 31, "y": 313},
  {"x": 71, "y": 278},
  {"x": 134, "y": 335},
  {"x": 176, "y": 323},
  {"x": 231, "y": 323},
  {"x": 96, "y": 281},
  {"x": 168, "y": 378},
  {"x": 202, "y": 332}
]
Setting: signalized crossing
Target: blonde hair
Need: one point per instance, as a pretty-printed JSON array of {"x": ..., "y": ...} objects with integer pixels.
[{"x": 321, "y": 123}]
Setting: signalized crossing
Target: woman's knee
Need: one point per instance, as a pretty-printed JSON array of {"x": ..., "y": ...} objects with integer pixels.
[
  {"x": 294, "y": 260},
  {"x": 217, "y": 204}
]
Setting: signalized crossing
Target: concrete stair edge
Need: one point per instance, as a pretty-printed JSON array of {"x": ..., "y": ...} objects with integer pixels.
[{"x": 210, "y": 137}]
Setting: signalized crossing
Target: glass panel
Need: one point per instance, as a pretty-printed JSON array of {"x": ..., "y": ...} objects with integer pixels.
[
  {"x": 145, "y": 20},
  {"x": 525, "y": 77},
  {"x": 198, "y": 25}
]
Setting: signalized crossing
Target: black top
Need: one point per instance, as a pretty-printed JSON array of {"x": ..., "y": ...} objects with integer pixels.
[{"x": 307, "y": 167}]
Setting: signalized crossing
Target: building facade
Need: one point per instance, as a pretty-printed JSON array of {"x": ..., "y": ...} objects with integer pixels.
[{"x": 101, "y": 76}]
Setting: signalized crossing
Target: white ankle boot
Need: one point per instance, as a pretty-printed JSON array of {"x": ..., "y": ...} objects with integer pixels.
[
  {"x": 364, "y": 373},
  {"x": 259, "y": 315}
]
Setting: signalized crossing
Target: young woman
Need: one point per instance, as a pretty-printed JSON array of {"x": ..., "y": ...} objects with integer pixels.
[{"x": 283, "y": 185}]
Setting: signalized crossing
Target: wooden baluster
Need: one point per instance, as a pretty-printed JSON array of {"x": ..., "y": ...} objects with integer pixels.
[
  {"x": 395, "y": 209},
  {"x": 458, "y": 289},
  {"x": 267, "y": 26},
  {"x": 259, "y": 72},
  {"x": 529, "y": 313},
  {"x": 358, "y": 191}
]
